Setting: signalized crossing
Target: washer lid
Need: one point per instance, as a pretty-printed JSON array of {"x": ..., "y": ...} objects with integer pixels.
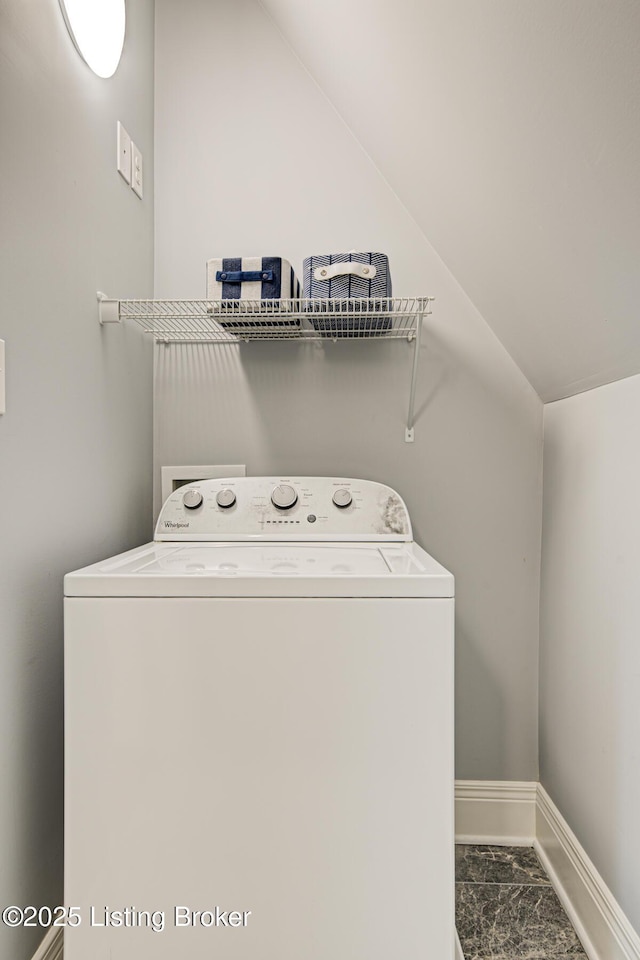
[{"x": 265, "y": 570}]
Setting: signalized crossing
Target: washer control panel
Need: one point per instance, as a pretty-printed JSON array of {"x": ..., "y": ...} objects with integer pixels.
[{"x": 284, "y": 508}]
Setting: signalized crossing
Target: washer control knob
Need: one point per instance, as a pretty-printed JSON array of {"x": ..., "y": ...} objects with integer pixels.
[
  {"x": 225, "y": 498},
  {"x": 284, "y": 497},
  {"x": 342, "y": 498},
  {"x": 192, "y": 499}
]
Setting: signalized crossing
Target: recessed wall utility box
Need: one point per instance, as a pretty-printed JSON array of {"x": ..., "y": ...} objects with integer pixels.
[{"x": 174, "y": 477}]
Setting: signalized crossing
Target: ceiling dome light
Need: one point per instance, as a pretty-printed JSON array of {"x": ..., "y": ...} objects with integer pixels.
[{"x": 97, "y": 30}]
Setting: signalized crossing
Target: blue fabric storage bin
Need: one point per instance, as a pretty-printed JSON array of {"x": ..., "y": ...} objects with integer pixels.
[
  {"x": 235, "y": 279},
  {"x": 349, "y": 276}
]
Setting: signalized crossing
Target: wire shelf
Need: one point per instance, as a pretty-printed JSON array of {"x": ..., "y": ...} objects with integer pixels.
[{"x": 233, "y": 321}]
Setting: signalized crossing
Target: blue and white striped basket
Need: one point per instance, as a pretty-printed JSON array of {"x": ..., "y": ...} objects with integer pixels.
[
  {"x": 234, "y": 279},
  {"x": 353, "y": 276}
]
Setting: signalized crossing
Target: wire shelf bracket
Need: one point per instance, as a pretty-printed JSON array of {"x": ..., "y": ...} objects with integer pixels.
[{"x": 236, "y": 321}]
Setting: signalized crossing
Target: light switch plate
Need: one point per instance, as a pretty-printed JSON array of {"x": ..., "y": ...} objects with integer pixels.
[
  {"x": 136, "y": 170},
  {"x": 3, "y": 406},
  {"x": 124, "y": 153}
]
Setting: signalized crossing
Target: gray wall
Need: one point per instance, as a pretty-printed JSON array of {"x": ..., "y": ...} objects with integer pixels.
[
  {"x": 590, "y": 623},
  {"x": 252, "y": 159},
  {"x": 75, "y": 443}
]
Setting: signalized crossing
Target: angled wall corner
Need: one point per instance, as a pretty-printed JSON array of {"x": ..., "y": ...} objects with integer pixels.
[{"x": 508, "y": 132}]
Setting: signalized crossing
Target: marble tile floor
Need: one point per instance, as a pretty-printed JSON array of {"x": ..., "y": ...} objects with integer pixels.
[{"x": 506, "y": 908}]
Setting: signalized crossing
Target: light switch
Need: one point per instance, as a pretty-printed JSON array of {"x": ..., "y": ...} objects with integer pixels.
[
  {"x": 124, "y": 153},
  {"x": 136, "y": 170},
  {"x": 2, "y": 379}
]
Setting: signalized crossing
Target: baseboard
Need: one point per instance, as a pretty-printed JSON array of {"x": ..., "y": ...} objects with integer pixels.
[
  {"x": 51, "y": 947},
  {"x": 600, "y": 923},
  {"x": 514, "y": 813},
  {"x": 501, "y": 812}
]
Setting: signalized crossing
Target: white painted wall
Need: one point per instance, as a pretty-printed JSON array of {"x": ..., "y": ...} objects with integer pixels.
[
  {"x": 75, "y": 442},
  {"x": 510, "y": 132},
  {"x": 252, "y": 159},
  {"x": 590, "y": 626}
]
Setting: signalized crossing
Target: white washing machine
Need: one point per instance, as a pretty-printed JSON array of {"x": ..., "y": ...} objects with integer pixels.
[{"x": 259, "y": 732}]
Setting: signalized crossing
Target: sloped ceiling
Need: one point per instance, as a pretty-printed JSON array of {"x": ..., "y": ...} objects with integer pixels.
[{"x": 511, "y": 131}]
